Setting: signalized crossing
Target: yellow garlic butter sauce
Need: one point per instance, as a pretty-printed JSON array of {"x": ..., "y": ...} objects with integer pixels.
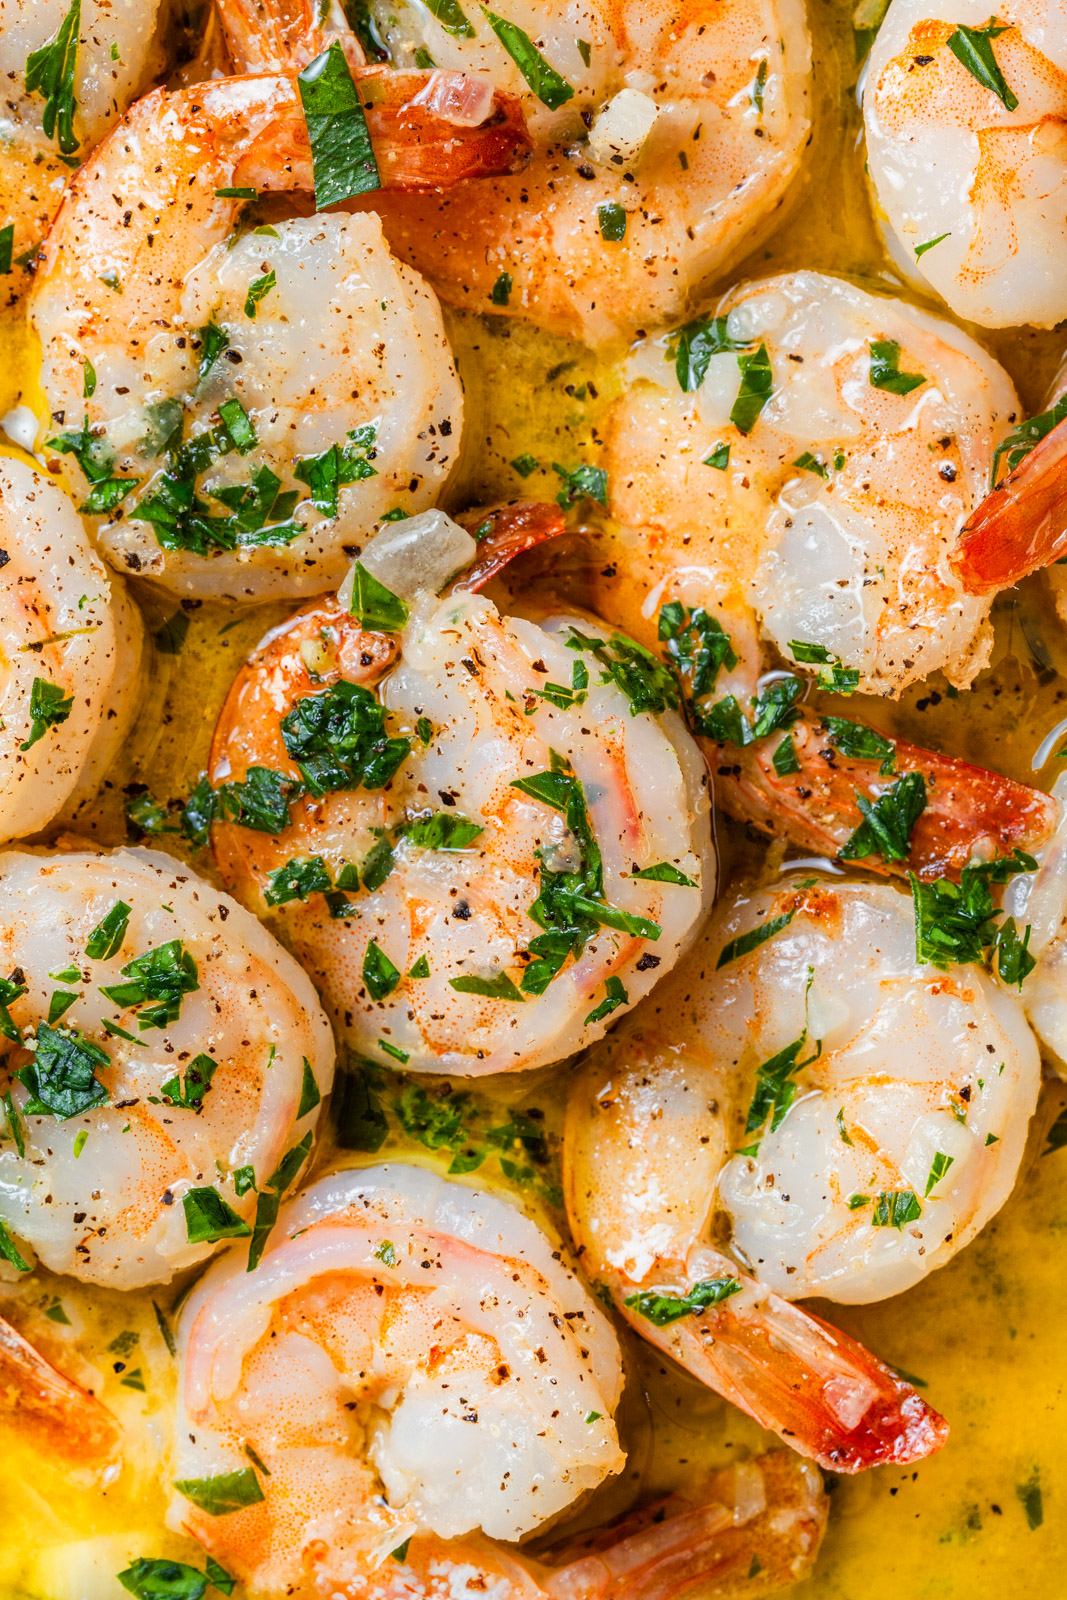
[{"x": 986, "y": 1336}]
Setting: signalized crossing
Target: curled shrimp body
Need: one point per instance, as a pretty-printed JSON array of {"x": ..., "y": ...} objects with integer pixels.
[
  {"x": 257, "y": 400},
  {"x": 844, "y": 1116},
  {"x": 664, "y": 142},
  {"x": 966, "y": 119},
  {"x": 208, "y": 1054},
  {"x": 421, "y": 1374},
  {"x": 505, "y": 793},
  {"x": 113, "y": 48},
  {"x": 70, "y": 655},
  {"x": 825, "y": 454}
]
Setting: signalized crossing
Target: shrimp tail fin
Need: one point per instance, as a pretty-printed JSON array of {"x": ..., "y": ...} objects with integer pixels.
[
  {"x": 750, "y": 1530},
  {"x": 816, "y": 1387},
  {"x": 969, "y": 810},
  {"x": 503, "y": 532},
  {"x": 43, "y": 1399},
  {"x": 1021, "y": 525}
]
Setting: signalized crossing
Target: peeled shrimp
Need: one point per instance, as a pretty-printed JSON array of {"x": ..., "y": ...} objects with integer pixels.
[
  {"x": 846, "y": 1117},
  {"x": 414, "y": 1372},
  {"x": 114, "y": 45},
  {"x": 234, "y": 415},
  {"x": 70, "y": 655},
  {"x": 450, "y": 957},
  {"x": 1039, "y": 900},
  {"x": 664, "y": 145},
  {"x": 206, "y": 1062},
  {"x": 965, "y": 115}
]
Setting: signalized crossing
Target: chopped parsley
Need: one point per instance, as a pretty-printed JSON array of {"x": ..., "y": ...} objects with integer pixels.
[
  {"x": 329, "y": 472},
  {"x": 895, "y": 1208},
  {"x": 269, "y": 1198},
  {"x": 664, "y": 872},
  {"x": 525, "y": 464},
  {"x": 95, "y": 458},
  {"x": 1022, "y": 439},
  {"x": 757, "y": 382},
  {"x": 9, "y": 1250},
  {"x": 209, "y": 1218},
  {"x": 444, "y": 830},
  {"x": 839, "y": 680},
  {"x": 785, "y": 759},
  {"x": 150, "y": 1578},
  {"x": 7, "y": 245},
  {"x": 809, "y": 463},
  {"x": 644, "y": 680},
  {"x": 189, "y": 1092},
  {"x": 261, "y": 802},
  {"x": 500, "y": 293},
  {"x": 956, "y": 924},
  {"x": 379, "y": 974},
  {"x": 615, "y": 996},
  {"x": 885, "y": 370},
  {"x": 106, "y": 938},
  {"x": 775, "y": 1090},
  {"x": 921, "y": 249},
  {"x": 581, "y": 482},
  {"x": 856, "y": 740},
  {"x": 938, "y": 1167},
  {"x": 661, "y": 1309},
  {"x": 156, "y": 983},
  {"x": 61, "y": 1078},
  {"x": 499, "y": 988},
  {"x": 299, "y": 879},
  {"x": 612, "y": 221},
  {"x": 374, "y": 606},
  {"x": 692, "y": 347},
  {"x": 342, "y": 155},
  {"x": 49, "y": 706},
  {"x": 973, "y": 49},
  {"x": 11, "y": 989},
  {"x": 745, "y": 943},
  {"x": 337, "y": 739},
  {"x": 719, "y": 458},
  {"x": 1030, "y": 1498},
  {"x": 775, "y": 707},
  {"x": 698, "y": 647},
  {"x": 223, "y": 1493},
  {"x": 888, "y": 821},
  {"x": 50, "y": 73},
  {"x": 546, "y": 83}
]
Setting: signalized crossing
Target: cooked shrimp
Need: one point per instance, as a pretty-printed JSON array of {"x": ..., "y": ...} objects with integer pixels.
[
  {"x": 70, "y": 655},
  {"x": 415, "y": 1373},
  {"x": 161, "y": 1055},
  {"x": 833, "y": 496},
  {"x": 966, "y": 119},
  {"x": 880, "y": 1107},
  {"x": 72, "y": 1421},
  {"x": 110, "y": 49},
  {"x": 1039, "y": 901},
  {"x": 235, "y": 417},
  {"x": 530, "y": 843},
  {"x": 664, "y": 144}
]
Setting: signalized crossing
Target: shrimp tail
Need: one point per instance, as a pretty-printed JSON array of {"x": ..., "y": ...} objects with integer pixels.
[
  {"x": 1021, "y": 525},
  {"x": 505, "y": 531},
  {"x": 43, "y": 1399},
  {"x": 970, "y": 811},
  {"x": 433, "y": 130},
  {"x": 750, "y": 1530},
  {"x": 816, "y": 1387}
]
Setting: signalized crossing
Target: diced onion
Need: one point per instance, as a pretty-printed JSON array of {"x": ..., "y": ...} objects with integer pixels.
[
  {"x": 620, "y": 131},
  {"x": 416, "y": 556},
  {"x": 456, "y": 98}
]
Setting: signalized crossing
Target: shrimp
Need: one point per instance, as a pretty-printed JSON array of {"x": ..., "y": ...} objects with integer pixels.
[
  {"x": 235, "y": 408},
  {"x": 110, "y": 51},
  {"x": 72, "y": 1421},
  {"x": 664, "y": 145},
  {"x": 71, "y": 645},
  {"x": 880, "y": 1107},
  {"x": 415, "y": 1372},
  {"x": 530, "y": 842},
  {"x": 1039, "y": 901},
  {"x": 966, "y": 123},
  {"x": 161, "y": 1054}
]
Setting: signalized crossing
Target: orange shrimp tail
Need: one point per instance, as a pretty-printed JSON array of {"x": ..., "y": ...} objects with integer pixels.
[
  {"x": 35, "y": 1395},
  {"x": 1021, "y": 525},
  {"x": 749, "y": 1531},
  {"x": 819, "y": 1389},
  {"x": 418, "y": 146},
  {"x": 505, "y": 531},
  {"x": 970, "y": 811}
]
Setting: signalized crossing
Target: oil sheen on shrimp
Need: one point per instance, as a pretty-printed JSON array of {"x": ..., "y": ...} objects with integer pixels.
[
  {"x": 233, "y": 417},
  {"x": 70, "y": 655},
  {"x": 502, "y": 786},
  {"x": 822, "y": 450},
  {"x": 969, "y": 165},
  {"x": 131, "y": 1114},
  {"x": 664, "y": 143},
  {"x": 115, "y": 55},
  {"x": 422, "y": 1375}
]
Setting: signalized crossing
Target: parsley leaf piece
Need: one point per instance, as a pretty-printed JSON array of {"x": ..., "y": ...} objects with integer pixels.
[
  {"x": 894, "y": 1208},
  {"x": 213, "y": 340},
  {"x": 719, "y": 458},
  {"x": 973, "y": 49},
  {"x": 374, "y": 606},
  {"x": 238, "y": 426},
  {"x": 190, "y": 1093},
  {"x": 664, "y": 872},
  {"x": 1014, "y": 961},
  {"x": 785, "y": 759},
  {"x": 49, "y": 706},
  {"x": 219, "y": 1576},
  {"x": 59, "y": 1004},
  {"x": 1030, "y": 1498},
  {"x": 310, "y": 1095},
  {"x": 579, "y": 483},
  {"x": 360, "y": 1122},
  {"x": 498, "y": 988},
  {"x": 644, "y": 680},
  {"x": 337, "y": 739},
  {"x": 921, "y": 249},
  {"x": 50, "y": 73},
  {"x": 1022, "y": 439},
  {"x": 162, "y": 976},
  {"x": 546, "y": 83},
  {"x": 106, "y": 938},
  {"x": 14, "y": 1123},
  {"x": 62, "y": 1075},
  {"x": 661, "y": 1309},
  {"x": 258, "y": 289},
  {"x": 9, "y": 1250},
  {"x": 445, "y": 830},
  {"x": 692, "y": 348},
  {"x": 208, "y": 1218},
  {"x": 957, "y": 923},
  {"x": 757, "y": 383},
  {"x": 421, "y": 969},
  {"x": 938, "y": 1167},
  {"x": 775, "y": 1091},
  {"x": 150, "y": 1578},
  {"x": 698, "y": 647},
  {"x": 885, "y": 370},
  {"x": 888, "y": 821},
  {"x": 451, "y": 18},
  {"x": 809, "y": 463},
  {"x": 299, "y": 879},
  {"x": 614, "y": 997},
  {"x": 328, "y": 473},
  {"x": 839, "y": 680},
  {"x": 857, "y": 740},
  {"x": 726, "y": 723},
  {"x": 223, "y": 1493},
  {"x": 11, "y": 989},
  {"x": 342, "y": 155},
  {"x": 379, "y": 973},
  {"x": 7, "y": 245},
  {"x": 525, "y": 464},
  {"x": 776, "y": 707},
  {"x": 611, "y": 219},
  {"x": 500, "y": 293},
  {"x": 745, "y": 943},
  {"x": 842, "y": 1132},
  {"x": 261, "y": 802},
  {"x": 244, "y": 1180}
]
